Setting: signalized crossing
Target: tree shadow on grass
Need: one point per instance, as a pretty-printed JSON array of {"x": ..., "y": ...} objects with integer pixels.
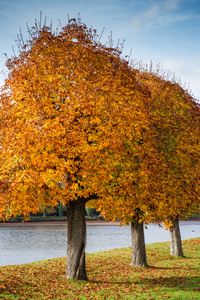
[
  {"x": 172, "y": 268},
  {"x": 176, "y": 283}
]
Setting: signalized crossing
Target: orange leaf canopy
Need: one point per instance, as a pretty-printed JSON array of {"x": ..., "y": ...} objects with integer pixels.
[
  {"x": 161, "y": 181},
  {"x": 66, "y": 111}
]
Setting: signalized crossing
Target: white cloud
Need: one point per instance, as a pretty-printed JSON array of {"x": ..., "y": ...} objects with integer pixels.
[
  {"x": 171, "y": 4},
  {"x": 154, "y": 13}
]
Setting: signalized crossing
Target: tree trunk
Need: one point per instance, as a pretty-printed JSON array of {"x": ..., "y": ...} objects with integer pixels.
[
  {"x": 76, "y": 240},
  {"x": 175, "y": 239},
  {"x": 139, "y": 258},
  {"x": 60, "y": 209}
]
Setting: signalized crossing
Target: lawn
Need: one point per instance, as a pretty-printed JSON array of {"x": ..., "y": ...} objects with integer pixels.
[{"x": 110, "y": 276}]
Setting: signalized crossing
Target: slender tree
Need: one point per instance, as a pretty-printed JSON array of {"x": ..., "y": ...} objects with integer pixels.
[
  {"x": 176, "y": 118},
  {"x": 164, "y": 186},
  {"x": 134, "y": 190}
]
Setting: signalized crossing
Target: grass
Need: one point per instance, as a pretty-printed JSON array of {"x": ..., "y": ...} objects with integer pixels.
[{"x": 110, "y": 276}]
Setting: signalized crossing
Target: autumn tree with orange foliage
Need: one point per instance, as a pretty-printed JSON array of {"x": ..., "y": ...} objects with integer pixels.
[
  {"x": 134, "y": 192},
  {"x": 176, "y": 117},
  {"x": 66, "y": 110},
  {"x": 158, "y": 182}
]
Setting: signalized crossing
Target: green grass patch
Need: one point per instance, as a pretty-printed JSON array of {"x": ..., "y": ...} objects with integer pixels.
[{"x": 110, "y": 276}]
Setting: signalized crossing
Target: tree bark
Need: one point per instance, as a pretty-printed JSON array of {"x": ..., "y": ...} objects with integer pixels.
[
  {"x": 175, "y": 239},
  {"x": 76, "y": 240},
  {"x": 60, "y": 209},
  {"x": 139, "y": 258}
]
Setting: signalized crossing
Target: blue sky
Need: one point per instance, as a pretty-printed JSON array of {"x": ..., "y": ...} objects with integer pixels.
[{"x": 161, "y": 31}]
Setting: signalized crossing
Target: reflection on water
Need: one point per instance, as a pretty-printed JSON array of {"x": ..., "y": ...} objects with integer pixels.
[{"x": 26, "y": 244}]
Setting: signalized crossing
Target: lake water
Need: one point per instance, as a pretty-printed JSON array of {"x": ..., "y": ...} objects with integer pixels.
[{"x": 21, "y": 244}]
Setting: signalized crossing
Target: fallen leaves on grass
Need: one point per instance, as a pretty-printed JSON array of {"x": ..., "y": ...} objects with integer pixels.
[{"x": 110, "y": 276}]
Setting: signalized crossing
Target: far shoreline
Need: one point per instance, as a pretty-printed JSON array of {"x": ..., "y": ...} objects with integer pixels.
[
  {"x": 88, "y": 223},
  {"x": 49, "y": 223}
]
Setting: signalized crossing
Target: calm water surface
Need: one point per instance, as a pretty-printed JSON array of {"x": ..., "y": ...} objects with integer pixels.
[{"x": 20, "y": 245}]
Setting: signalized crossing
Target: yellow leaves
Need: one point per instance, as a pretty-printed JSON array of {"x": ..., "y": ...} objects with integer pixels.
[
  {"x": 167, "y": 224},
  {"x": 50, "y": 78}
]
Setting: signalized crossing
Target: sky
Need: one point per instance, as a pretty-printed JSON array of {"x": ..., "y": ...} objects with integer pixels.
[{"x": 164, "y": 32}]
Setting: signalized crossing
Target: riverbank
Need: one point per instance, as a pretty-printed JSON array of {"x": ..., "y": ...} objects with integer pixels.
[
  {"x": 110, "y": 276},
  {"x": 50, "y": 223},
  {"x": 88, "y": 222}
]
